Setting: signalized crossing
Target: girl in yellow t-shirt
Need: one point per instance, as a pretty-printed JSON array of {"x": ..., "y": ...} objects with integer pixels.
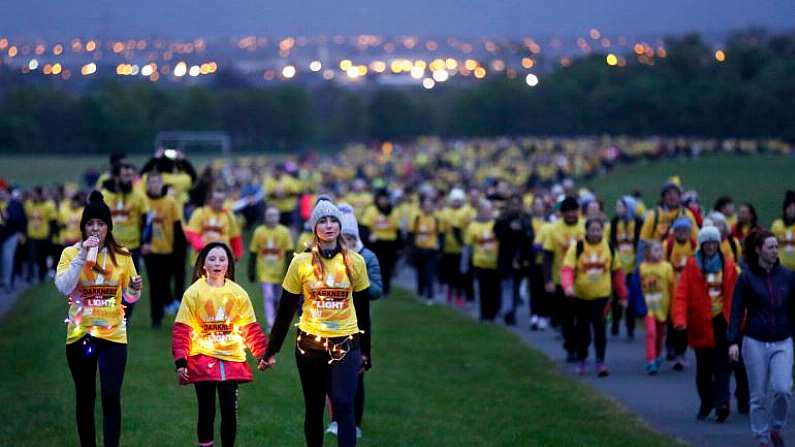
[
  {"x": 214, "y": 326},
  {"x": 481, "y": 251},
  {"x": 333, "y": 343},
  {"x": 657, "y": 285},
  {"x": 269, "y": 249},
  {"x": 96, "y": 274}
]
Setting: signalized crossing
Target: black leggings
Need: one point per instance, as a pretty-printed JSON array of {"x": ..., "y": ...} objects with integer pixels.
[
  {"x": 160, "y": 269},
  {"x": 386, "y": 252},
  {"x": 490, "y": 292},
  {"x": 83, "y": 356},
  {"x": 713, "y": 369},
  {"x": 590, "y": 314},
  {"x": 227, "y": 396},
  {"x": 425, "y": 262},
  {"x": 338, "y": 380}
]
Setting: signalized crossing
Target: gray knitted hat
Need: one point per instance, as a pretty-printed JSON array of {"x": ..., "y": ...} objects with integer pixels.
[{"x": 324, "y": 208}]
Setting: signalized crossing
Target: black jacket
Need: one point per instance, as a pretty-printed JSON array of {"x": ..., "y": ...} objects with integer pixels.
[
  {"x": 767, "y": 301},
  {"x": 13, "y": 221},
  {"x": 514, "y": 231}
]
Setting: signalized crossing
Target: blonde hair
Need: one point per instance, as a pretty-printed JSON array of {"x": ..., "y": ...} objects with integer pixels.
[{"x": 317, "y": 263}]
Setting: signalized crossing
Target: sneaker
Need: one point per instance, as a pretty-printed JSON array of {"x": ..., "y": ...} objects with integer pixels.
[
  {"x": 580, "y": 368},
  {"x": 651, "y": 368},
  {"x": 776, "y": 438},
  {"x": 658, "y": 363},
  {"x": 722, "y": 413},
  {"x": 703, "y": 412},
  {"x": 679, "y": 364},
  {"x": 543, "y": 324},
  {"x": 358, "y": 433},
  {"x": 601, "y": 370},
  {"x": 534, "y": 323},
  {"x": 332, "y": 428},
  {"x": 429, "y": 302},
  {"x": 510, "y": 319}
]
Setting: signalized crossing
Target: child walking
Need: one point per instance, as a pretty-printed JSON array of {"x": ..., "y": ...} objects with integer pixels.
[
  {"x": 270, "y": 247},
  {"x": 214, "y": 325},
  {"x": 657, "y": 285}
]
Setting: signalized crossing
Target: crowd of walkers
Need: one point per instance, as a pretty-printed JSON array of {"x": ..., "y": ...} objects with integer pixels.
[{"x": 493, "y": 224}]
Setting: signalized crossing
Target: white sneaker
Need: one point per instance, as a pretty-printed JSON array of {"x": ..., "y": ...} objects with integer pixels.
[
  {"x": 332, "y": 428},
  {"x": 358, "y": 433},
  {"x": 534, "y": 322},
  {"x": 543, "y": 324}
]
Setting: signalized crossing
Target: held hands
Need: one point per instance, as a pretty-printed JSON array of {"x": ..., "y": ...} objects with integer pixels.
[
  {"x": 182, "y": 376},
  {"x": 266, "y": 363},
  {"x": 734, "y": 353},
  {"x": 366, "y": 365}
]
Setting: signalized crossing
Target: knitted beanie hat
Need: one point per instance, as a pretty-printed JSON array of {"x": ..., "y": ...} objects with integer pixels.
[
  {"x": 350, "y": 225},
  {"x": 324, "y": 208},
  {"x": 96, "y": 209},
  {"x": 708, "y": 234}
]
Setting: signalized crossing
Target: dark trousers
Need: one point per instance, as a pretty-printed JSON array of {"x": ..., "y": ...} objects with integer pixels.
[
  {"x": 449, "y": 273},
  {"x": 712, "y": 368},
  {"x": 227, "y": 397},
  {"x": 675, "y": 340},
  {"x": 83, "y": 357},
  {"x": 539, "y": 298},
  {"x": 564, "y": 311},
  {"x": 425, "y": 262},
  {"x": 160, "y": 269},
  {"x": 618, "y": 312},
  {"x": 489, "y": 291},
  {"x": 338, "y": 380},
  {"x": 590, "y": 316},
  {"x": 38, "y": 250},
  {"x": 386, "y": 252}
]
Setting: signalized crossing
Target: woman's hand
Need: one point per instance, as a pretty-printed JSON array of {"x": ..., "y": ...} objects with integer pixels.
[
  {"x": 734, "y": 353},
  {"x": 92, "y": 241},
  {"x": 265, "y": 363},
  {"x": 136, "y": 282},
  {"x": 182, "y": 375},
  {"x": 366, "y": 365}
]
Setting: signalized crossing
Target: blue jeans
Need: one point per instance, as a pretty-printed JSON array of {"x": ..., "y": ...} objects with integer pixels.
[
  {"x": 9, "y": 248},
  {"x": 768, "y": 363}
]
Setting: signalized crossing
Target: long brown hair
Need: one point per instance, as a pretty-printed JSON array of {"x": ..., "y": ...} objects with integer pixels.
[
  {"x": 754, "y": 240},
  {"x": 198, "y": 267}
]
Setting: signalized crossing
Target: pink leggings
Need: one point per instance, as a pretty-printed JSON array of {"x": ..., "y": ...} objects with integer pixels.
[{"x": 655, "y": 335}]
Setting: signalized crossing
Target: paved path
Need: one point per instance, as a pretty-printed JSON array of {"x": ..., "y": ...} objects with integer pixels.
[
  {"x": 9, "y": 297},
  {"x": 667, "y": 402}
]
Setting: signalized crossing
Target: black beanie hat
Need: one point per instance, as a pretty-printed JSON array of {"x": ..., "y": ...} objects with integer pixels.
[
  {"x": 96, "y": 209},
  {"x": 569, "y": 204},
  {"x": 789, "y": 199}
]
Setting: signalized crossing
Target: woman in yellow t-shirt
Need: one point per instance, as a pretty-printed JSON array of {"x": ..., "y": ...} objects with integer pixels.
[
  {"x": 214, "y": 326},
  {"x": 784, "y": 229},
  {"x": 269, "y": 249},
  {"x": 333, "y": 343},
  {"x": 383, "y": 223},
  {"x": 424, "y": 233},
  {"x": 95, "y": 274},
  {"x": 481, "y": 251}
]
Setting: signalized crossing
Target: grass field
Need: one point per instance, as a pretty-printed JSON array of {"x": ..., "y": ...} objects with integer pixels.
[{"x": 439, "y": 379}]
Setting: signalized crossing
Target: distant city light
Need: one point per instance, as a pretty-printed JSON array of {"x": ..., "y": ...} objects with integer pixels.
[
  {"x": 720, "y": 56},
  {"x": 180, "y": 69},
  {"x": 315, "y": 66},
  {"x": 531, "y": 80},
  {"x": 612, "y": 60},
  {"x": 428, "y": 83},
  {"x": 288, "y": 71}
]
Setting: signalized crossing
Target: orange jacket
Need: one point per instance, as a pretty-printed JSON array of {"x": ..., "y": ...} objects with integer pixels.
[{"x": 692, "y": 307}]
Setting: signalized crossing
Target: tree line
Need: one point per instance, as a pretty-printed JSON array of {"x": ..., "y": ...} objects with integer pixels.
[{"x": 687, "y": 93}]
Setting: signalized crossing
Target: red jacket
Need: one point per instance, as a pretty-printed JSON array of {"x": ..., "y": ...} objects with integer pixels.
[
  {"x": 692, "y": 307},
  {"x": 203, "y": 368}
]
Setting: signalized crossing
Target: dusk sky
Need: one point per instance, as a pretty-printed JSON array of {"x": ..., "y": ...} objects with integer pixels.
[{"x": 466, "y": 18}]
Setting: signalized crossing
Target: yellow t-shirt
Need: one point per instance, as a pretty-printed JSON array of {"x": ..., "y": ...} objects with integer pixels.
[
  {"x": 657, "y": 282},
  {"x": 726, "y": 249},
  {"x": 665, "y": 220},
  {"x": 426, "y": 231},
  {"x": 485, "y": 247},
  {"x": 715, "y": 291},
  {"x": 69, "y": 218},
  {"x": 385, "y": 228},
  {"x": 592, "y": 270},
  {"x": 328, "y": 303},
  {"x": 283, "y": 192},
  {"x": 559, "y": 238},
  {"x": 217, "y": 315},
  {"x": 786, "y": 242},
  {"x": 166, "y": 212},
  {"x": 540, "y": 229},
  {"x": 450, "y": 219},
  {"x": 677, "y": 255},
  {"x": 304, "y": 239},
  {"x": 126, "y": 210},
  {"x": 213, "y": 226},
  {"x": 95, "y": 305},
  {"x": 359, "y": 201},
  {"x": 180, "y": 184},
  {"x": 269, "y": 245},
  {"x": 625, "y": 244},
  {"x": 39, "y": 216}
]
